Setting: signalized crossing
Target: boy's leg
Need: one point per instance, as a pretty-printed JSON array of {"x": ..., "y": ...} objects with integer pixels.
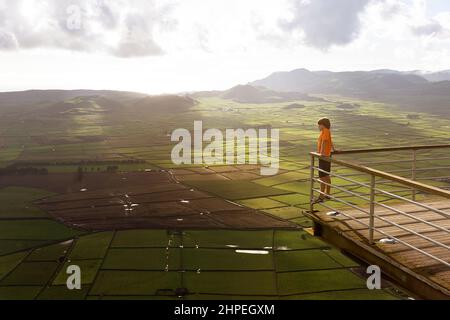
[
  {"x": 323, "y": 187},
  {"x": 327, "y": 179},
  {"x": 322, "y": 166},
  {"x": 322, "y": 196}
]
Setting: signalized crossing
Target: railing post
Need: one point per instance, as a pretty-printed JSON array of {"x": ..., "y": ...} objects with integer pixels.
[
  {"x": 413, "y": 173},
  {"x": 311, "y": 189},
  {"x": 372, "y": 209}
]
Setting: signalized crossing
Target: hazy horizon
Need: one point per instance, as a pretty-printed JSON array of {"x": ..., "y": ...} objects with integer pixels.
[{"x": 210, "y": 89}]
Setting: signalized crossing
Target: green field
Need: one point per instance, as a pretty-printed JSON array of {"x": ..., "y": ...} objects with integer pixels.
[
  {"x": 35, "y": 249},
  {"x": 138, "y": 264}
]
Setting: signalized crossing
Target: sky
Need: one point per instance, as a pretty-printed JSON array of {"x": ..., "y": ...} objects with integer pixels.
[{"x": 170, "y": 46}]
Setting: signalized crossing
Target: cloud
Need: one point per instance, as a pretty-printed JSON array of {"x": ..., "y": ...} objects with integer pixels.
[
  {"x": 117, "y": 27},
  {"x": 429, "y": 29},
  {"x": 7, "y": 41},
  {"x": 136, "y": 42},
  {"x": 325, "y": 23}
]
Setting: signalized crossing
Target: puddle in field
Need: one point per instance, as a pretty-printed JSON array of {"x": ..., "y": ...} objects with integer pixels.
[
  {"x": 252, "y": 251},
  {"x": 282, "y": 248}
]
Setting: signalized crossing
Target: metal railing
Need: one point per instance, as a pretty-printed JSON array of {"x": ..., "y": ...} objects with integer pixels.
[
  {"x": 366, "y": 184},
  {"x": 415, "y": 169}
]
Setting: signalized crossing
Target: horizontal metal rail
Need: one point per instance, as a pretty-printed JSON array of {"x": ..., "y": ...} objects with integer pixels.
[
  {"x": 419, "y": 169},
  {"x": 344, "y": 202},
  {"x": 436, "y": 178},
  {"x": 370, "y": 150},
  {"x": 344, "y": 190},
  {"x": 402, "y": 161}
]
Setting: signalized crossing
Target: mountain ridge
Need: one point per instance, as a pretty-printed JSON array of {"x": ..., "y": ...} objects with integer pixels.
[{"x": 405, "y": 89}]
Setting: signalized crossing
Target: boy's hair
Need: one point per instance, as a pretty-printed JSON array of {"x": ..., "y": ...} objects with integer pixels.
[{"x": 325, "y": 122}]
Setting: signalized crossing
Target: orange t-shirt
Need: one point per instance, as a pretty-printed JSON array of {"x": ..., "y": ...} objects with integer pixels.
[{"x": 325, "y": 136}]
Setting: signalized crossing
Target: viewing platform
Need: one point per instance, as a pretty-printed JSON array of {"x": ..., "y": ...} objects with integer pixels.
[{"x": 396, "y": 216}]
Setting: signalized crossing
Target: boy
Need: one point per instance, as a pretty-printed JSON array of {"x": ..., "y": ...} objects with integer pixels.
[{"x": 324, "y": 147}]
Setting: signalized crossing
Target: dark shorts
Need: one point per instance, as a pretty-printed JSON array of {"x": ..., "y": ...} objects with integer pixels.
[{"x": 325, "y": 166}]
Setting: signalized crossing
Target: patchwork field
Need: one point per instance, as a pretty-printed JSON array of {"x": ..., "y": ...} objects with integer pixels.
[
  {"x": 70, "y": 184},
  {"x": 208, "y": 264},
  {"x": 160, "y": 202}
]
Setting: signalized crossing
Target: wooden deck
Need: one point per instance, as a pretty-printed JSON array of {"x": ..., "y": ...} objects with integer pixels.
[{"x": 415, "y": 262}]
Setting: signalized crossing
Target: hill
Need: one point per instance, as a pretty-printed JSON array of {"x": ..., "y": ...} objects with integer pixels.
[
  {"x": 257, "y": 94},
  {"x": 164, "y": 103},
  {"x": 56, "y": 102},
  {"x": 357, "y": 82},
  {"x": 39, "y": 97}
]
